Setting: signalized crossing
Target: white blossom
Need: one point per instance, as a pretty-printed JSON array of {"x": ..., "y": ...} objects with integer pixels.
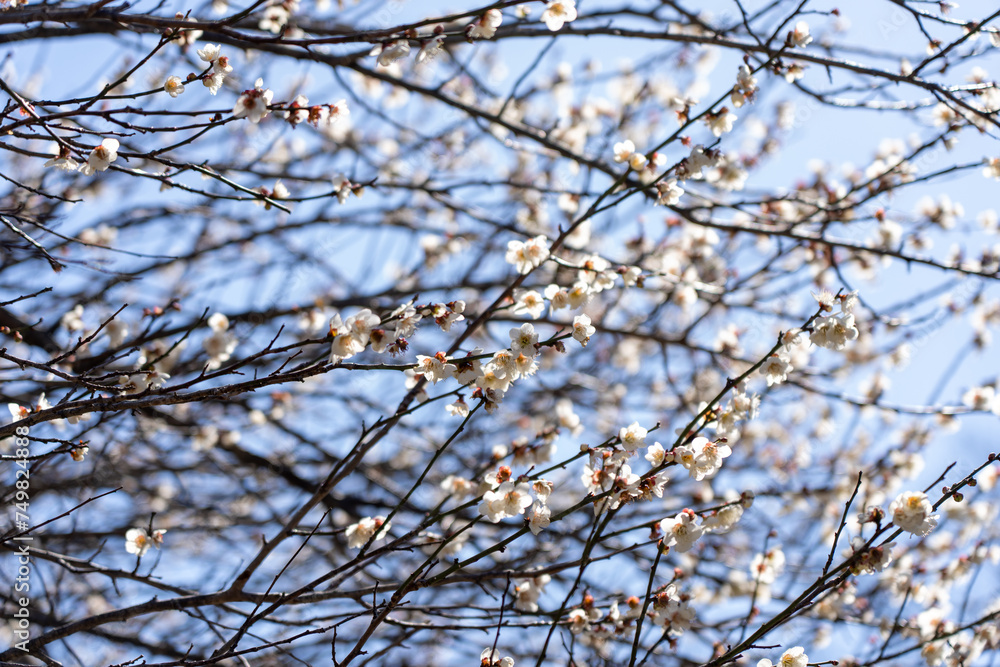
[
  {"x": 393, "y": 51},
  {"x": 435, "y": 368},
  {"x": 486, "y": 26},
  {"x": 776, "y": 369},
  {"x": 138, "y": 541},
  {"x": 623, "y": 150},
  {"x": 632, "y": 437},
  {"x": 834, "y": 332},
  {"x": 101, "y": 157},
  {"x": 360, "y": 533},
  {"x": 221, "y": 343},
  {"x": 681, "y": 531},
  {"x": 527, "y": 255},
  {"x": 992, "y": 168},
  {"x": 668, "y": 193},
  {"x": 253, "y": 103},
  {"x": 523, "y": 340},
  {"x": 800, "y": 36},
  {"x": 173, "y": 86},
  {"x": 509, "y": 499},
  {"x": 557, "y": 13},
  {"x": 911, "y": 511},
  {"x": 583, "y": 329}
]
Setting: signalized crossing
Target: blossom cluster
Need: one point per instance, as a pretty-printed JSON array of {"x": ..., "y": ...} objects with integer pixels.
[{"x": 830, "y": 330}]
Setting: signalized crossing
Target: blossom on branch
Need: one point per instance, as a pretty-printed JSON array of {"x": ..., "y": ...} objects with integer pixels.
[
  {"x": 101, "y": 157},
  {"x": 911, "y": 511},
  {"x": 138, "y": 541},
  {"x": 558, "y": 13},
  {"x": 253, "y": 103},
  {"x": 486, "y": 26},
  {"x": 358, "y": 534}
]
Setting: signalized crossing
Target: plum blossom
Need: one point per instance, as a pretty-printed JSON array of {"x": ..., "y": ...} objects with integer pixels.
[
  {"x": 655, "y": 454},
  {"x": 391, "y": 52},
  {"x": 342, "y": 187},
  {"x": 298, "y": 110},
  {"x": 766, "y": 567},
  {"x": 73, "y": 320},
  {"x": 911, "y": 511},
  {"x": 527, "y": 255},
  {"x": 499, "y": 372},
  {"x": 435, "y": 368},
  {"x": 671, "y": 611},
  {"x": 566, "y": 417},
  {"x": 633, "y": 436},
  {"x": 834, "y": 332},
  {"x": 275, "y": 17},
  {"x": 583, "y": 329},
  {"x": 221, "y": 343},
  {"x": 430, "y": 49},
  {"x": 723, "y": 519},
  {"x": 210, "y": 53},
  {"x": 729, "y": 173},
  {"x": 458, "y": 409},
  {"x": 509, "y": 499},
  {"x": 800, "y": 36},
  {"x": 528, "y": 591},
  {"x": 697, "y": 161},
  {"x": 794, "y": 657},
  {"x": 174, "y": 86},
  {"x": 253, "y": 103},
  {"x": 523, "y": 340},
  {"x": 186, "y": 37},
  {"x": 992, "y": 168},
  {"x": 557, "y": 296},
  {"x": 637, "y": 161},
  {"x": 980, "y": 398},
  {"x": 468, "y": 369},
  {"x": 116, "y": 330},
  {"x": 138, "y": 541},
  {"x": 221, "y": 65},
  {"x": 776, "y": 369},
  {"x": 558, "y": 13},
  {"x": 351, "y": 336},
  {"x": 631, "y": 276},
  {"x": 746, "y": 82},
  {"x": 359, "y": 533},
  {"x": 873, "y": 560},
  {"x": 137, "y": 383},
  {"x": 623, "y": 150},
  {"x": 460, "y": 487},
  {"x": 63, "y": 160},
  {"x": 220, "y": 68},
  {"x": 213, "y": 82},
  {"x": 794, "y": 71},
  {"x": 101, "y": 157},
  {"x": 681, "y": 531},
  {"x": 708, "y": 458},
  {"x": 668, "y": 193},
  {"x": 702, "y": 458},
  {"x": 490, "y": 657},
  {"x": 721, "y": 122},
  {"x": 540, "y": 518},
  {"x": 528, "y": 302},
  {"x": 486, "y": 26}
]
